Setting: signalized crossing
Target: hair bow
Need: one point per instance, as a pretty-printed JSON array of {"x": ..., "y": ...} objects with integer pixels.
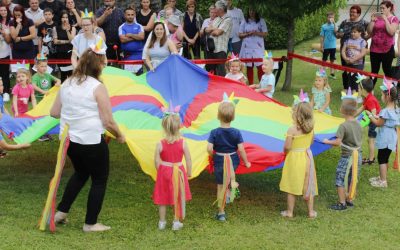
[
  {"x": 321, "y": 72},
  {"x": 22, "y": 65},
  {"x": 98, "y": 47},
  {"x": 159, "y": 19},
  {"x": 302, "y": 97},
  {"x": 233, "y": 57},
  {"x": 360, "y": 78},
  {"x": 349, "y": 94},
  {"x": 86, "y": 14},
  {"x": 231, "y": 98},
  {"x": 171, "y": 110},
  {"x": 268, "y": 55},
  {"x": 41, "y": 56}
]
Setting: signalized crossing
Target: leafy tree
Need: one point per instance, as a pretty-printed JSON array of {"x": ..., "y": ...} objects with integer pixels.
[{"x": 287, "y": 12}]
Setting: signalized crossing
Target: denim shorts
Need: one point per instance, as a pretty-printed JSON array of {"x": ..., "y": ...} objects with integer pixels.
[
  {"x": 342, "y": 168},
  {"x": 219, "y": 166},
  {"x": 372, "y": 130}
]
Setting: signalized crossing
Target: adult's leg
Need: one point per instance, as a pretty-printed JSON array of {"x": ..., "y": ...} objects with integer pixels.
[
  {"x": 97, "y": 160},
  {"x": 236, "y": 47},
  {"x": 220, "y": 69},
  {"x": 212, "y": 67},
  {"x": 387, "y": 60},
  {"x": 196, "y": 49},
  {"x": 250, "y": 74},
  {"x": 376, "y": 59},
  {"x": 260, "y": 72},
  {"x": 345, "y": 78},
  {"x": 5, "y": 75},
  {"x": 76, "y": 153}
]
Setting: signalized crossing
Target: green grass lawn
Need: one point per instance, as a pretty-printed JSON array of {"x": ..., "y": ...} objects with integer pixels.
[{"x": 253, "y": 221}]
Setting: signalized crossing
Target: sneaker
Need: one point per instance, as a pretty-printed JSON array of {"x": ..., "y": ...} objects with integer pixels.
[
  {"x": 332, "y": 76},
  {"x": 339, "y": 206},
  {"x": 43, "y": 138},
  {"x": 3, "y": 153},
  {"x": 162, "y": 225},
  {"x": 379, "y": 183},
  {"x": 98, "y": 227},
  {"x": 220, "y": 217},
  {"x": 375, "y": 179},
  {"x": 6, "y": 97},
  {"x": 349, "y": 204},
  {"x": 368, "y": 161},
  {"x": 60, "y": 218},
  {"x": 177, "y": 225}
]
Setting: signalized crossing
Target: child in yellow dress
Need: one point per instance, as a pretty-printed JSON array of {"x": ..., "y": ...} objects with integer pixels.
[{"x": 298, "y": 174}]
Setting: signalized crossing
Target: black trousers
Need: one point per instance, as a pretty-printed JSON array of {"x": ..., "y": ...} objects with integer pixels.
[
  {"x": 88, "y": 161},
  {"x": 385, "y": 59},
  {"x": 219, "y": 69},
  {"x": 5, "y": 75}
]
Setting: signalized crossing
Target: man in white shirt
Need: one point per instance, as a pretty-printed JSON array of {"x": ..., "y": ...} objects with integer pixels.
[
  {"x": 36, "y": 14},
  {"x": 237, "y": 17}
]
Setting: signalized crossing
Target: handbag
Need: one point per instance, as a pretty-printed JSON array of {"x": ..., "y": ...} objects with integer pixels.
[{"x": 210, "y": 44}]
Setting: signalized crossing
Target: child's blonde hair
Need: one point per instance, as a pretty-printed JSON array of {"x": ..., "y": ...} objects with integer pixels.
[
  {"x": 171, "y": 124},
  {"x": 326, "y": 83},
  {"x": 25, "y": 72},
  {"x": 229, "y": 63},
  {"x": 226, "y": 112},
  {"x": 303, "y": 117}
]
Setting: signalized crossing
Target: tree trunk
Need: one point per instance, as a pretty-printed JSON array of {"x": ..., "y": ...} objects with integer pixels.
[{"x": 290, "y": 48}]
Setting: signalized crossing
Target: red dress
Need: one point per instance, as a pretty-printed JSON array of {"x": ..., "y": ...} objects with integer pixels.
[{"x": 164, "y": 190}]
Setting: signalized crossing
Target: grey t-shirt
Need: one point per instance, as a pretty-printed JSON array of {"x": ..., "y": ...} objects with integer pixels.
[{"x": 351, "y": 134}]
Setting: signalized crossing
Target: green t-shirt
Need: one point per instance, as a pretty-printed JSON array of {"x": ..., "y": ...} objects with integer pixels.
[
  {"x": 43, "y": 82},
  {"x": 351, "y": 134}
]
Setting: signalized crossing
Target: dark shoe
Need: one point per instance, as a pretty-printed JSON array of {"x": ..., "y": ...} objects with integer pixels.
[
  {"x": 339, "y": 206},
  {"x": 220, "y": 217},
  {"x": 368, "y": 161},
  {"x": 349, "y": 204}
]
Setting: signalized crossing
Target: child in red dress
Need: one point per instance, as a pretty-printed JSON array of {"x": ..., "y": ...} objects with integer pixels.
[{"x": 172, "y": 186}]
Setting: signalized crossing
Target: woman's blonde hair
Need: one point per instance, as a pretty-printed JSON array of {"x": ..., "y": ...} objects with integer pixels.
[
  {"x": 27, "y": 73},
  {"x": 303, "y": 117},
  {"x": 90, "y": 64},
  {"x": 171, "y": 125},
  {"x": 226, "y": 112}
]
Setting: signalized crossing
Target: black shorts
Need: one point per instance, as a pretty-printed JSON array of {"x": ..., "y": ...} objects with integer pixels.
[
  {"x": 372, "y": 130},
  {"x": 329, "y": 52},
  {"x": 383, "y": 155}
]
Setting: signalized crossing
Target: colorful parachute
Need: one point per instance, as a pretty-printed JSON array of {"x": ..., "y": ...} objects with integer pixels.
[{"x": 137, "y": 103}]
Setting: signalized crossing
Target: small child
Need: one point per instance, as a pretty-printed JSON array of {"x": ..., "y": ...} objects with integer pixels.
[
  {"x": 349, "y": 138},
  {"x": 386, "y": 139},
  {"x": 235, "y": 68},
  {"x": 353, "y": 52},
  {"x": 328, "y": 41},
  {"x": 223, "y": 144},
  {"x": 267, "y": 83},
  {"x": 41, "y": 80},
  {"x": 370, "y": 104},
  {"x": 298, "y": 174},
  {"x": 321, "y": 93},
  {"x": 45, "y": 33},
  {"x": 168, "y": 189},
  {"x": 22, "y": 91}
]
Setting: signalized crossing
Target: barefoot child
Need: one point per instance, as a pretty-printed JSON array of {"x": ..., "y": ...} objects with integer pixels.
[
  {"x": 172, "y": 186},
  {"x": 223, "y": 144},
  {"x": 235, "y": 68},
  {"x": 298, "y": 174},
  {"x": 321, "y": 93},
  {"x": 267, "y": 83},
  {"x": 386, "y": 139},
  {"x": 349, "y": 138}
]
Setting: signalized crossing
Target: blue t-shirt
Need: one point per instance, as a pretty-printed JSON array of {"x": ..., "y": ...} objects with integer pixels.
[
  {"x": 268, "y": 80},
  {"x": 225, "y": 140},
  {"x": 328, "y": 32},
  {"x": 1, "y": 104},
  {"x": 387, "y": 135},
  {"x": 132, "y": 47}
]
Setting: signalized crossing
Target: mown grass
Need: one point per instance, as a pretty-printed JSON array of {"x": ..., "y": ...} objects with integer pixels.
[{"x": 253, "y": 221}]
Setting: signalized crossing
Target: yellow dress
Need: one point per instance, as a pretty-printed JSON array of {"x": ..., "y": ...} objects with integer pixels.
[{"x": 298, "y": 174}]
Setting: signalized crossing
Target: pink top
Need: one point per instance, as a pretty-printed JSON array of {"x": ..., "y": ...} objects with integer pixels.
[
  {"x": 381, "y": 40},
  {"x": 23, "y": 94},
  {"x": 172, "y": 152}
]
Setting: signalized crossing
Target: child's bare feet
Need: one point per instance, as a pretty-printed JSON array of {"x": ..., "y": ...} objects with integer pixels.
[
  {"x": 286, "y": 214},
  {"x": 312, "y": 214}
]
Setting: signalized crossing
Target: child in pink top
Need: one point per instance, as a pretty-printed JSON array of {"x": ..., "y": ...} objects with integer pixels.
[{"x": 22, "y": 91}]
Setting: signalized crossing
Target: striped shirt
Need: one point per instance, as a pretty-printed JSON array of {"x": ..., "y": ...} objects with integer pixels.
[{"x": 221, "y": 42}]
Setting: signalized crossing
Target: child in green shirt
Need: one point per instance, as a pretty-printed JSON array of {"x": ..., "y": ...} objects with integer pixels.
[{"x": 43, "y": 81}]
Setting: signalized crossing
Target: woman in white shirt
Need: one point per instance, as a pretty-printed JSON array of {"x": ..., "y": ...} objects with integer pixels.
[{"x": 83, "y": 103}]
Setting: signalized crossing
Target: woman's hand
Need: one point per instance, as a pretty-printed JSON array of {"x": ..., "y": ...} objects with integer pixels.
[{"x": 374, "y": 16}]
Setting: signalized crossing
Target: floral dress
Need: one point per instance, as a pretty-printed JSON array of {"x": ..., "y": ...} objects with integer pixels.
[{"x": 320, "y": 98}]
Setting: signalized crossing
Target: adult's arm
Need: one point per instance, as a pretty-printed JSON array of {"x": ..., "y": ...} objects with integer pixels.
[
  {"x": 102, "y": 17},
  {"x": 56, "y": 108},
  {"x": 390, "y": 27},
  {"x": 150, "y": 24},
  {"x": 172, "y": 47}
]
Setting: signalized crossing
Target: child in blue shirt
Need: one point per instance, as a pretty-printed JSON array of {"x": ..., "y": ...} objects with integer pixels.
[
  {"x": 223, "y": 144},
  {"x": 328, "y": 41},
  {"x": 267, "y": 83}
]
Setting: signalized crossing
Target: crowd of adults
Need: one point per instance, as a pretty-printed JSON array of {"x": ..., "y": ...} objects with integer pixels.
[{"x": 61, "y": 31}]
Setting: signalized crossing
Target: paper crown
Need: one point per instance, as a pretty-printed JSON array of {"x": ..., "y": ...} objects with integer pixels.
[
  {"x": 349, "y": 94},
  {"x": 321, "y": 72},
  {"x": 233, "y": 57},
  {"x": 171, "y": 110},
  {"x": 98, "y": 47},
  {"x": 22, "y": 65},
  {"x": 386, "y": 85},
  {"x": 41, "y": 56},
  {"x": 360, "y": 78},
  {"x": 231, "y": 98},
  {"x": 86, "y": 14},
  {"x": 268, "y": 55},
  {"x": 159, "y": 19},
  {"x": 302, "y": 97}
]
